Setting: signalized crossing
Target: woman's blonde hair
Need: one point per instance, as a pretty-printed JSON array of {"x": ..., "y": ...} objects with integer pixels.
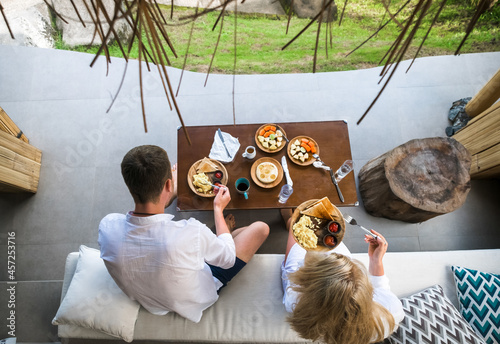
[{"x": 335, "y": 303}]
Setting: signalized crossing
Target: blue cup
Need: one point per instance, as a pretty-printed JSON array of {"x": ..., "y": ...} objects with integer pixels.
[{"x": 242, "y": 186}]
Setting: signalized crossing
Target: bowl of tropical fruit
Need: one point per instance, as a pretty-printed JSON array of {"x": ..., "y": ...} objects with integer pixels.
[
  {"x": 270, "y": 138},
  {"x": 301, "y": 150}
]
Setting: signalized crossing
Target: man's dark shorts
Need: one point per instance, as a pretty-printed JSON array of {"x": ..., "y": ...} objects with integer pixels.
[{"x": 225, "y": 275}]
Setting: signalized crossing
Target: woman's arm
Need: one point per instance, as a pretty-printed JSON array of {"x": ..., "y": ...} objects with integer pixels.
[{"x": 376, "y": 251}]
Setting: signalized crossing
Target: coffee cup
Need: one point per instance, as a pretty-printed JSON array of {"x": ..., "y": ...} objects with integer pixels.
[
  {"x": 249, "y": 152},
  {"x": 242, "y": 186}
]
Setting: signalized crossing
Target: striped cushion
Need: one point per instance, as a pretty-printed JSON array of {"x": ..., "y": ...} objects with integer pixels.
[
  {"x": 479, "y": 296},
  {"x": 431, "y": 318}
]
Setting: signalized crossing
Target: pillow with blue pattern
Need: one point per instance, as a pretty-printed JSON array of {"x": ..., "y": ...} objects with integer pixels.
[{"x": 479, "y": 297}]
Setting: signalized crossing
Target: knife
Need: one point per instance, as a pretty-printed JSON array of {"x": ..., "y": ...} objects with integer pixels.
[
  {"x": 336, "y": 185},
  {"x": 285, "y": 169},
  {"x": 223, "y": 143}
]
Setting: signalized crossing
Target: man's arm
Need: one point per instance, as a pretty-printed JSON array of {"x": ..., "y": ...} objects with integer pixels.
[{"x": 220, "y": 202}]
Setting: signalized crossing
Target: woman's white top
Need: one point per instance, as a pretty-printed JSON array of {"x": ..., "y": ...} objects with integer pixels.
[{"x": 382, "y": 291}]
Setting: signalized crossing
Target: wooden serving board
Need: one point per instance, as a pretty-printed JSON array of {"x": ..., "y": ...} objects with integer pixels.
[{"x": 322, "y": 230}]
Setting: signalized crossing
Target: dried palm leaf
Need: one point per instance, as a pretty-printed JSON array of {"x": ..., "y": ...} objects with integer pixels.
[
  {"x": 343, "y": 10},
  {"x": 235, "y": 57},
  {"x": 401, "y": 46},
  {"x": 320, "y": 19},
  {"x": 6, "y": 21},
  {"x": 148, "y": 29},
  {"x": 290, "y": 12},
  {"x": 379, "y": 29},
  {"x": 481, "y": 7},
  {"x": 52, "y": 9},
  {"x": 393, "y": 17},
  {"x": 78, "y": 13},
  {"x": 443, "y": 2},
  {"x": 308, "y": 25},
  {"x": 218, "y": 38},
  {"x": 187, "y": 52}
]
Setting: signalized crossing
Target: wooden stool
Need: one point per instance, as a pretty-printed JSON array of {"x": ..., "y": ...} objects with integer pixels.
[{"x": 416, "y": 181}]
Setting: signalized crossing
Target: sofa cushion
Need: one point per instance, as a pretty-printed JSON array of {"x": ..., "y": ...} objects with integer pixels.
[
  {"x": 250, "y": 309},
  {"x": 430, "y": 317},
  {"x": 94, "y": 301},
  {"x": 479, "y": 296}
]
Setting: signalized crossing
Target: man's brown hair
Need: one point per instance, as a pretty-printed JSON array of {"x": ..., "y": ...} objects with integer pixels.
[{"x": 145, "y": 170}]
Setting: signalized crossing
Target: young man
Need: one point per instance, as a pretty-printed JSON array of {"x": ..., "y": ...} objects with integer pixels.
[{"x": 166, "y": 265}]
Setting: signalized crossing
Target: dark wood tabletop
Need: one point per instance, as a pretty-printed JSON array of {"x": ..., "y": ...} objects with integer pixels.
[{"x": 308, "y": 182}]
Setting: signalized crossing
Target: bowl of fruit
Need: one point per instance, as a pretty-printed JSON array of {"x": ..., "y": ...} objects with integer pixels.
[
  {"x": 270, "y": 138},
  {"x": 301, "y": 150}
]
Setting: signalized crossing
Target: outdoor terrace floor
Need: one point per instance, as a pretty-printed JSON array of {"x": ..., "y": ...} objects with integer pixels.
[{"x": 60, "y": 103}]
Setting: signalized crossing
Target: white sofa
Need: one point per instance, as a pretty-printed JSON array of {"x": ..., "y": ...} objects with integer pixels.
[{"x": 250, "y": 310}]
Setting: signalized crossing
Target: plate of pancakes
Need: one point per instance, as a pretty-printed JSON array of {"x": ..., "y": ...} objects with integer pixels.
[{"x": 266, "y": 172}]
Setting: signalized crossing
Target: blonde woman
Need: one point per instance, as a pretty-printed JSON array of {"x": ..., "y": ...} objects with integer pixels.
[{"x": 334, "y": 299}]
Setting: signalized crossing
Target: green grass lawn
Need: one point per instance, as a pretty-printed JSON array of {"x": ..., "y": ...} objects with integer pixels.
[{"x": 262, "y": 37}]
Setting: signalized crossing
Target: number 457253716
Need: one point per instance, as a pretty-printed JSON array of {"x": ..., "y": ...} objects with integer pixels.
[{"x": 11, "y": 255}]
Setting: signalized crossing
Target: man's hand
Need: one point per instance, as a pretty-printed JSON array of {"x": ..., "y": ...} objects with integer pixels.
[
  {"x": 376, "y": 251},
  {"x": 222, "y": 197},
  {"x": 174, "y": 179}
]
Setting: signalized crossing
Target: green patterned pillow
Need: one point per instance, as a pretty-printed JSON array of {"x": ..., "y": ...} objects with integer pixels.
[{"x": 479, "y": 296}]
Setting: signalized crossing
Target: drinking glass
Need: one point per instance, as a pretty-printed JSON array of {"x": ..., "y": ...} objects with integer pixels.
[
  {"x": 346, "y": 167},
  {"x": 285, "y": 193}
]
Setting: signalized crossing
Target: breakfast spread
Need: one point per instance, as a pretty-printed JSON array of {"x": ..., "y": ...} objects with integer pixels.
[
  {"x": 202, "y": 183},
  {"x": 206, "y": 165},
  {"x": 267, "y": 172},
  {"x": 319, "y": 210},
  {"x": 270, "y": 138},
  {"x": 319, "y": 226},
  {"x": 204, "y": 174},
  {"x": 302, "y": 149},
  {"x": 303, "y": 230}
]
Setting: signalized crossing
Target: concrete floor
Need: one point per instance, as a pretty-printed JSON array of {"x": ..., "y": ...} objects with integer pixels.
[{"x": 60, "y": 103}]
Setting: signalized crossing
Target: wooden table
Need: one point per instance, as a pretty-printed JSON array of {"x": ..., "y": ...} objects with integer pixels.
[{"x": 308, "y": 182}]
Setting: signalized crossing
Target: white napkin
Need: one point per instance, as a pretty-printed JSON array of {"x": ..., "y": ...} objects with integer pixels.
[{"x": 218, "y": 152}]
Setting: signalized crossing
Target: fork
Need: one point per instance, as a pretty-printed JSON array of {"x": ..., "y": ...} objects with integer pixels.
[
  {"x": 352, "y": 221},
  {"x": 326, "y": 167},
  {"x": 212, "y": 185},
  {"x": 316, "y": 156},
  {"x": 286, "y": 139}
]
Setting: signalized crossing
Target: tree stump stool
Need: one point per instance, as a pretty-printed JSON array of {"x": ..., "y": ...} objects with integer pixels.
[{"x": 416, "y": 181}]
